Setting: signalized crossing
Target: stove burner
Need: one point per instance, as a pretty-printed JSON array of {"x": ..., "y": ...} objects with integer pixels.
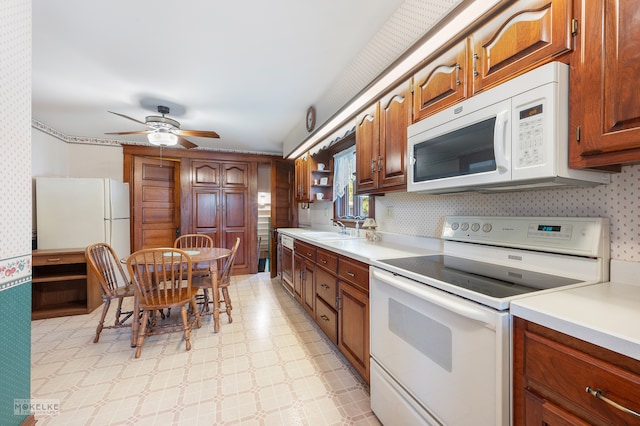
[{"x": 485, "y": 278}]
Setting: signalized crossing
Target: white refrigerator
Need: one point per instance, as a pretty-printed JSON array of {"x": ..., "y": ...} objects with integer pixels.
[{"x": 77, "y": 212}]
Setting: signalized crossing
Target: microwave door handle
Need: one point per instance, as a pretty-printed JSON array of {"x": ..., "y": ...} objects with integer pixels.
[{"x": 502, "y": 163}]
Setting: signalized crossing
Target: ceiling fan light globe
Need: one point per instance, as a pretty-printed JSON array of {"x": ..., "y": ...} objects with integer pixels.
[{"x": 162, "y": 138}]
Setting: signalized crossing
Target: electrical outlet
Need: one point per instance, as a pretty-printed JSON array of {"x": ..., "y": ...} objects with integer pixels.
[{"x": 390, "y": 212}]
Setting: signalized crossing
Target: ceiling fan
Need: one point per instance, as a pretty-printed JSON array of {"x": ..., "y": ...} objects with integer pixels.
[{"x": 164, "y": 131}]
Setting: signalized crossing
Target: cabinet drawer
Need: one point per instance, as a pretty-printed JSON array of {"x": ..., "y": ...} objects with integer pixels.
[
  {"x": 327, "y": 260},
  {"x": 326, "y": 286},
  {"x": 327, "y": 319},
  {"x": 560, "y": 373},
  {"x": 51, "y": 257},
  {"x": 354, "y": 272},
  {"x": 305, "y": 250}
]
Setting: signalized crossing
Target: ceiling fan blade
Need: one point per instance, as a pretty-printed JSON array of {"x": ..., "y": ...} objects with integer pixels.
[
  {"x": 129, "y": 118},
  {"x": 185, "y": 143},
  {"x": 137, "y": 132},
  {"x": 197, "y": 133}
]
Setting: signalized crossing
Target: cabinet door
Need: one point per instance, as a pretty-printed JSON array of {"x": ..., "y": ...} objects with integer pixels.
[
  {"x": 205, "y": 212},
  {"x": 308, "y": 287},
  {"x": 353, "y": 326},
  {"x": 235, "y": 223},
  {"x": 442, "y": 83},
  {"x": 298, "y": 264},
  {"x": 235, "y": 175},
  {"x": 205, "y": 173},
  {"x": 367, "y": 141},
  {"x": 286, "y": 265},
  {"x": 395, "y": 116},
  {"x": 303, "y": 188},
  {"x": 605, "y": 108},
  {"x": 524, "y": 36}
]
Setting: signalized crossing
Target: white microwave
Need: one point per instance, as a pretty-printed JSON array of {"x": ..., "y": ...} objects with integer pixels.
[{"x": 511, "y": 137}]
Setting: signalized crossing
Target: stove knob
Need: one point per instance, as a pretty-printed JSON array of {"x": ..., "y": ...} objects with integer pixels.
[
  {"x": 464, "y": 226},
  {"x": 475, "y": 227},
  {"x": 455, "y": 225},
  {"x": 487, "y": 227}
]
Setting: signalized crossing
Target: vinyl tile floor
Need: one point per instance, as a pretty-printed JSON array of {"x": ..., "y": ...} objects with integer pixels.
[{"x": 271, "y": 366}]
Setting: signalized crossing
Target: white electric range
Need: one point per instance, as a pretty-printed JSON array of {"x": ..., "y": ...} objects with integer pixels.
[{"x": 440, "y": 324}]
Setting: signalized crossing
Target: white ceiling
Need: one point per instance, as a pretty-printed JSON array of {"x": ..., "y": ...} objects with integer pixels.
[{"x": 245, "y": 69}]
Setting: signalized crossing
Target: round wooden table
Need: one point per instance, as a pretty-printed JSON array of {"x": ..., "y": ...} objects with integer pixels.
[{"x": 198, "y": 255}]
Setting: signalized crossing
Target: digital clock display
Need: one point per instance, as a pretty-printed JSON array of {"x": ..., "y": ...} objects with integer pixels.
[{"x": 549, "y": 228}]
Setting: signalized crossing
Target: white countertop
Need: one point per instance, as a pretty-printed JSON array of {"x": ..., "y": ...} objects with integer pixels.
[
  {"x": 606, "y": 315},
  {"x": 390, "y": 246}
]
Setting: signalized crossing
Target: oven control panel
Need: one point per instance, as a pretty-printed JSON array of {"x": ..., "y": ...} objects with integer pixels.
[{"x": 571, "y": 235}]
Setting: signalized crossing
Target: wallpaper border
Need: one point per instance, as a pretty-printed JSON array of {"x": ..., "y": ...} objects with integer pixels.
[{"x": 15, "y": 271}]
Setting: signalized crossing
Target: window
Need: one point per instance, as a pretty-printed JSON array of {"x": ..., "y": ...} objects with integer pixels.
[{"x": 347, "y": 205}]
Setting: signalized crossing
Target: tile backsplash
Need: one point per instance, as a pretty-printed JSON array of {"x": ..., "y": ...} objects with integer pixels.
[{"x": 423, "y": 215}]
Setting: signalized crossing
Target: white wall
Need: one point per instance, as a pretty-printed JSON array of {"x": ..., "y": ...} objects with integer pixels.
[{"x": 54, "y": 157}]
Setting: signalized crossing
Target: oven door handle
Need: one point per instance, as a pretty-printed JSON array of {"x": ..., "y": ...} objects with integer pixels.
[{"x": 439, "y": 298}]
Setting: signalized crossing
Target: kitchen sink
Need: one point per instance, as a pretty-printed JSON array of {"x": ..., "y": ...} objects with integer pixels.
[{"x": 326, "y": 235}]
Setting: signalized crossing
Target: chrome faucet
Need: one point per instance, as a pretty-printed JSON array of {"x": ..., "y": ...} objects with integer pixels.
[
  {"x": 343, "y": 228},
  {"x": 357, "y": 228}
]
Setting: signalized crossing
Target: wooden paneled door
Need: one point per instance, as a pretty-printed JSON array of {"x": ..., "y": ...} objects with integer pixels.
[{"x": 156, "y": 209}]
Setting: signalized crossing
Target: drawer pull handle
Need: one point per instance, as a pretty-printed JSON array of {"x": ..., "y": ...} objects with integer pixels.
[
  {"x": 54, "y": 259},
  {"x": 323, "y": 261},
  {"x": 325, "y": 286},
  {"x": 351, "y": 274},
  {"x": 324, "y": 318},
  {"x": 598, "y": 394}
]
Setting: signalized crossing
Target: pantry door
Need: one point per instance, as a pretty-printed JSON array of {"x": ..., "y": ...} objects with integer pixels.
[{"x": 156, "y": 202}]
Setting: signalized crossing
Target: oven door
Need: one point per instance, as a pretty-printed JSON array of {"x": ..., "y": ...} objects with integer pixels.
[{"x": 445, "y": 354}]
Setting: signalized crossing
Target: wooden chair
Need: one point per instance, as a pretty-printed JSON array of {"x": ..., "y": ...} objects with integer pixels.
[
  {"x": 224, "y": 279},
  {"x": 114, "y": 283},
  {"x": 191, "y": 241},
  {"x": 162, "y": 280}
]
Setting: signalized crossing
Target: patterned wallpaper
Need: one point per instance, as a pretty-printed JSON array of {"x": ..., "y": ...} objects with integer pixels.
[
  {"x": 420, "y": 214},
  {"x": 15, "y": 207},
  {"x": 15, "y": 143}
]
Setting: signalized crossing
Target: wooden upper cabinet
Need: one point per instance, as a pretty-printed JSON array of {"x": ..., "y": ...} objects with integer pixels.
[
  {"x": 395, "y": 116},
  {"x": 205, "y": 173},
  {"x": 235, "y": 175},
  {"x": 367, "y": 149},
  {"x": 381, "y": 142},
  {"x": 605, "y": 108},
  {"x": 525, "y": 35},
  {"x": 217, "y": 174},
  {"x": 302, "y": 184},
  {"x": 443, "y": 82}
]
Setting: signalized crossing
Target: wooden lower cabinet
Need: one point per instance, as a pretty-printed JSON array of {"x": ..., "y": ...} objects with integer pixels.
[
  {"x": 334, "y": 290},
  {"x": 62, "y": 285},
  {"x": 552, "y": 372},
  {"x": 353, "y": 326},
  {"x": 286, "y": 266}
]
